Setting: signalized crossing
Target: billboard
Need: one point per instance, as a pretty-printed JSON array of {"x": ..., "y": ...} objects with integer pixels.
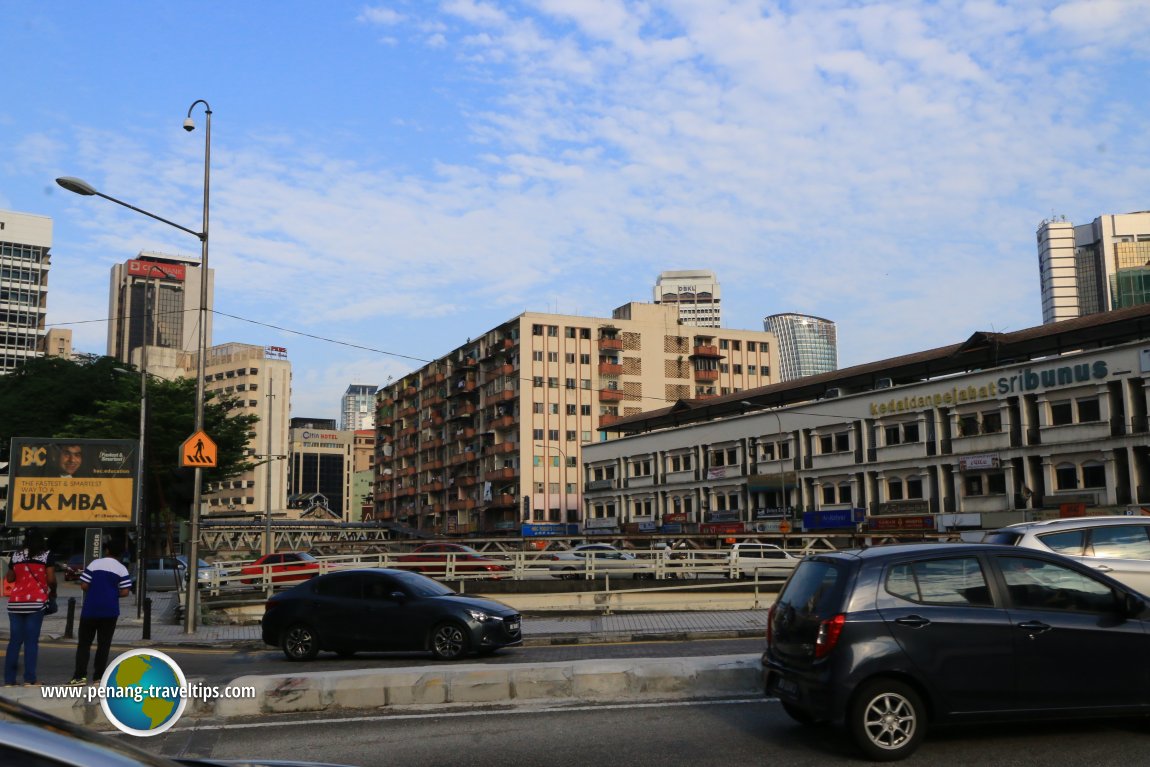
[{"x": 72, "y": 482}]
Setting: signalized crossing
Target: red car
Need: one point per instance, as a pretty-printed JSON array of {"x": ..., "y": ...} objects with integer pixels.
[
  {"x": 434, "y": 558},
  {"x": 284, "y": 567}
]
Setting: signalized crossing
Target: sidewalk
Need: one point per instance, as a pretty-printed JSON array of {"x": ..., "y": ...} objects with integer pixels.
[{"x": 539, "y": 629}]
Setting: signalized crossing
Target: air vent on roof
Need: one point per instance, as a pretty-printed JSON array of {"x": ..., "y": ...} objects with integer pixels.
[
  {"x": 832, "y": 393},
  {"x": 883, "y": 383}
]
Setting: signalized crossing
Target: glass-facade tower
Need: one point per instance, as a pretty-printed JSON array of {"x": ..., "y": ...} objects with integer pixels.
[{"x": 807, "y": 345}]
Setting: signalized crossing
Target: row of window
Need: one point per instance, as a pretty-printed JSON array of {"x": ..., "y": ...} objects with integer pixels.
[{"x": 553, "y": 408}]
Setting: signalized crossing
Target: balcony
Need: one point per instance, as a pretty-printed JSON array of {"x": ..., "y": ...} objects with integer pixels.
[
  {"x": 408, "y": 391},
  {"x": 464, "y": 411},
  {"x": 502, "y": 500},
  {"x": 503, "y": 423},
  {"x": 461, "y": 387},
  {"x": 461, "y": 504},
  {"x": 503, "y": 448},
  {"x": 408, "y": 411},
  {"x": 706, "y": 375},
  {"x": 505, "y": 369},
  {"x": 499, "y": 475},
  {"x": 707, "y": 350},
  {"x": 504, "y": 395},
  {"x": 467, "y": 481},
  {"x": 601, "y": 484},
  {"x": 611, "y": 344},
  {"x": 433, "y": 379},
  {"x": 464, "y": 433},
  {"x": 610, "y": 369},
  {"x": 606, "y": 420},
  {"x": 610, "y": 395},
  {"x": 431, "y": 487}
]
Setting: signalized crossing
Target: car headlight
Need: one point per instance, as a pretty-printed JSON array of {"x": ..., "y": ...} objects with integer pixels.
[{"x": 479, "y": 615}]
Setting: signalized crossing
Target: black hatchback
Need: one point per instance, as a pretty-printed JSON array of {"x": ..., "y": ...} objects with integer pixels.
[
  {"x": 379, "y": 609},
  {"x": 890, "y": 638}
]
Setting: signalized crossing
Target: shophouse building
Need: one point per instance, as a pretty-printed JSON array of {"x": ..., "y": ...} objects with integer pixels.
[{"x": 1000, "y": 428}]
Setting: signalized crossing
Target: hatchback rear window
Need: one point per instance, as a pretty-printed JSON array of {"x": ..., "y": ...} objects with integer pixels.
[
  {"x": 815, "y": 589},
  {"x": 1068, "y": 542},
  {"x": 957, "y": 581}
]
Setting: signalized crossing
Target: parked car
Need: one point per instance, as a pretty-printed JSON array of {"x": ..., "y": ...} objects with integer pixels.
[
  {"x": 764, "y": 559},
  {"x": 439, "y": 558},
  {"x": 171, "y": 573},
  {"x": 31, "y": 737},
  {"x": 1118, "y": 546},
  {"x": 74, "y": 567},
  {"x": 380, "y": 609},
  {"x": 597, "y": 560},
  {"x": 892, "y": 638},
  {"x": 284, "y": 567}
]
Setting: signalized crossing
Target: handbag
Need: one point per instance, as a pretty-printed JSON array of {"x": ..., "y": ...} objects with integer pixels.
[{"x": 50, "y": 606}]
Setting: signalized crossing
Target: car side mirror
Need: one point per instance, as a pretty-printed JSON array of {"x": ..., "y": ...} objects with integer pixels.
[{"x": 1133, "y": 606}]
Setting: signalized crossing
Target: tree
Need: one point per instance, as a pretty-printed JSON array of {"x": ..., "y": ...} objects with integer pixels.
[{"x": 55, "y": 397}]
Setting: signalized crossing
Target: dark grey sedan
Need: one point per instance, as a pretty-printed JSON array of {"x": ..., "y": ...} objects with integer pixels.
[{"x": 379, "y": 609}]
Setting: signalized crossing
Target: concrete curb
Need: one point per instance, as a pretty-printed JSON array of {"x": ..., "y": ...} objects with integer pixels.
[{"x": 370, "y": 689}]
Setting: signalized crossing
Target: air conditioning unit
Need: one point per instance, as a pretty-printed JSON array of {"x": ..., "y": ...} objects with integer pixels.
[
  {"x": 883, "y": 383},
  {"x": 832, "y": 393}
]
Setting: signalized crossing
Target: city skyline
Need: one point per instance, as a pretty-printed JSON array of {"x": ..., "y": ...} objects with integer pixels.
[{"x": 427, "y": 171}]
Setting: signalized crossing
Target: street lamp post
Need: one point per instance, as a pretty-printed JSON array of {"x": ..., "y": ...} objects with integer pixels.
[
  {"x": 81, "y": 187},
  {"x": 142, "y": 466}
]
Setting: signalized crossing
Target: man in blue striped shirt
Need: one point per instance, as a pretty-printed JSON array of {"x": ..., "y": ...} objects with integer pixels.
[{"x": 105, "y": 581}]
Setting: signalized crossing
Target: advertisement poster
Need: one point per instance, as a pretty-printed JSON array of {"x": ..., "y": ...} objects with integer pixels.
[{"x": 78, "y": 482}]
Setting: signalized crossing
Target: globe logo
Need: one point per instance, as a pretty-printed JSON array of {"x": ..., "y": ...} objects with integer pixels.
[{"x": 143, "y": 692}]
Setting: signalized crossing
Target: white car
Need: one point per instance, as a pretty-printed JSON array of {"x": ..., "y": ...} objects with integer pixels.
[
  {"x": 764, "y": 559},
  {"x": 1118, "y": 546},
  {"x": 596, "y": 560}
]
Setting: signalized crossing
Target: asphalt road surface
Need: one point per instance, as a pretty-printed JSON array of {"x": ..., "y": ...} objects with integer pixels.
[
  {"x": 649, "y": 733},
  {"x": 219, "y": 666}
]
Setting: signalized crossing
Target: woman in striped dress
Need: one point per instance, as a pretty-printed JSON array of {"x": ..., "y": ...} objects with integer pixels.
[{"x": 32, "y": 580}]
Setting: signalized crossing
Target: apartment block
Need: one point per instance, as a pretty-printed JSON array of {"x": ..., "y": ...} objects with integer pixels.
[{"x": 489, "y": 437}]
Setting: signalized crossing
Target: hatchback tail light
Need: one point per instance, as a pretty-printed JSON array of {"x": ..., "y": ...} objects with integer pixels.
[{"x": 828, "y": 636}]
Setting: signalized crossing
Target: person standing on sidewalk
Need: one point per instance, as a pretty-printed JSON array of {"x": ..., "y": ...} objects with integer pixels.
[
  {"x": 32, "y": 576},
  {"x": 104, "y": 582}
]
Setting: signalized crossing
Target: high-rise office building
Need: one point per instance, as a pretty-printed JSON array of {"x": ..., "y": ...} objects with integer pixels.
[
  {"x": 695, "y": 292},
  {"x": 154, "y": 299},
  {"x": 357, "y": 408},
  {"x": 489, "y": 436},
  {"x": 807, "y": 345},
  {"x": 320, "y": 465},
  {"x": 1095, "y": 267},
  {"x": 25, "y": 242}
]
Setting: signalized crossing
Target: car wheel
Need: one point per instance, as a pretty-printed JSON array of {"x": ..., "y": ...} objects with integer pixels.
[
  {"x": 569, "y": 574},
  {"x": 887, "y": 720},
  {"x": 801, "y": 715},
  {"x": 299, "y": 642},
  {"x": 448, "y": 641}
]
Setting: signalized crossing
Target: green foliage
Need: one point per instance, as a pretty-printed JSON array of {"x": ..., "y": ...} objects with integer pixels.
[{"x": 55, "y": 397}]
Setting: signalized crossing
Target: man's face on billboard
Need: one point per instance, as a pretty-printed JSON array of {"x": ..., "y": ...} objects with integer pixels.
[{"x": 71, "y": 456}]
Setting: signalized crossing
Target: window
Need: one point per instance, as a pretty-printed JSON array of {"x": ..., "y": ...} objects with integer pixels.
[
  {"x": 553, "y": 435},
  {"x": 569, "y": 332},
  {"x": 750, "y": 346},
  {"x": 570, "y": 435},
  {"x": 572, "y": 409},
  {"x": 553, "y": 408},
  {"x": 570, "y": 357},
  {"x": 569, "y": 383},
  {"x": 845, "y": 493},
  {"x": 553, "y": 331},
  {"x": 1069, "y": 543},
  {"x": 1066, "y": 476},
  {"x": 894, "y": 489},
  {"x": 537, "y": 407},
  {"x": 828, "y": 494},
  {"x": 992, "y": 422},
  {"x": 914, "y": 487},
  {"x": 736, "y": 345},
  {"x": 1089, "y": 410},
  {"x": 584, "y": 359},
  {"x": 1040, "y": 585},
  {"x": 537, "y": 355},
  {"x": 1093, "y": 475},
  {"x": 584, "y": 410},
  {"x": 552, "y": 356},
  {"x": 968, "y": 425},
  {"x": 910, "y": 432},
  {"x": 893, "y": 435},
  {"x": 1120, "y": 542},
  {"x": 738, "y": 369},
  {"x": 1060, "y": 413},
  {"x": 537, "y": 381},
  {"x": 537, "y": 433},
  {"x": 958, "y": 581},
  {"x": 536, "y": 330},
  {"x": 724, "y": 367},
  {"x": 752, "y": 370},
  {"x": 842, "y": 442},
  {"x": 724, "y": 344},
  {"x": 552, "y": 382},
  {"x": 584, "y": 383}
]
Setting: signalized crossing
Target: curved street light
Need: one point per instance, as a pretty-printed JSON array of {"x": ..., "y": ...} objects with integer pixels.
[{"x": 81, "y": 187}]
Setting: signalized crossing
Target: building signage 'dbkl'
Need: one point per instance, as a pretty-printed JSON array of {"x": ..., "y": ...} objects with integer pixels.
[{"x": 1026, "y": 380}]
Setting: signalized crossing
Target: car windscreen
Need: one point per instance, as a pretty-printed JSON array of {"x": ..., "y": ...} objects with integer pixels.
[{"x": 1003, "y": 537}]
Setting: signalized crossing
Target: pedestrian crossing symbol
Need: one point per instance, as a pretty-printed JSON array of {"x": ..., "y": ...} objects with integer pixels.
[{"x": 198, "y": 450}]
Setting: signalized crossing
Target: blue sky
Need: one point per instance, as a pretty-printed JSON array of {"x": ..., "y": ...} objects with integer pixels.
[{"x": 398, "y": 176}]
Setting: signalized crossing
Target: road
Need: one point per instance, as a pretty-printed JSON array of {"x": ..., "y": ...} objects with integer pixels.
[
  {"x": 648, "y": 733},
  {"x": 218, "y": 666}
]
